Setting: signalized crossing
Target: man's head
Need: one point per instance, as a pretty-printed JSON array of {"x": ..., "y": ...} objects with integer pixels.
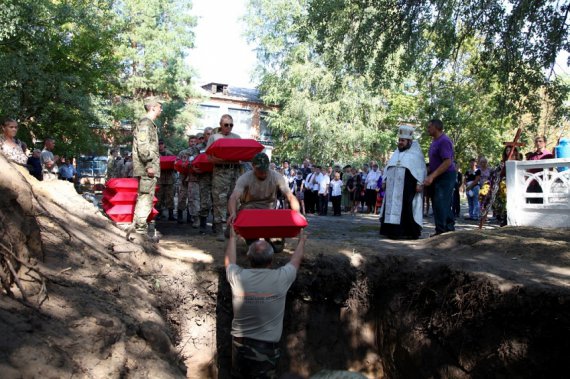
[
  {"x": 36, "y": 153},
  {"x": 375, "y": 167},
  {"x": 153, "y": 107},
  {"x": 540, "y": 142},
  {"x": 365, "y": 167},
  {"x": 285, "y": 164},
  {"x": 260, "y": 254},
  {"x": 49, "y": 144},
  {"x": 260, "y": 164},
  {"x": 435, "y": 127},
  {"x": 472, "y": 163},
  {"x": 405, "y": 137},
  {"x": 226, "y": 124},
  {"x": 207, "y": 133},
  {"x": 160, "y": 145},
  {"x": 306, "y": 163},
  {"x": 192, "y": 140}
]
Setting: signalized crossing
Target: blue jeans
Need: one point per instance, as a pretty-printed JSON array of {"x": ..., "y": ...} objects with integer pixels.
[
  {"x": 441, "y": 201},
  {"x": 474, "y": 203}
]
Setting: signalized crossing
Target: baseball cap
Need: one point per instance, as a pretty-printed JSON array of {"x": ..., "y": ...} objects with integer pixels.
[{"x": 261, "y": 161}]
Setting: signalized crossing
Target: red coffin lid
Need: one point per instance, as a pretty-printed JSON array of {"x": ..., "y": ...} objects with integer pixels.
[
  {"x": 269, "y": 223},
  {"x": 201, "y": 161},
  {"x": 233, "y": 149},
  {"x": 123, "y": 184},
  {"x": 167, "y": 162}
]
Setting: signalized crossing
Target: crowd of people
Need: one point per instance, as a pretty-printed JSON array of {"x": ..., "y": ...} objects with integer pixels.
[{"x": 42, "y": 164}]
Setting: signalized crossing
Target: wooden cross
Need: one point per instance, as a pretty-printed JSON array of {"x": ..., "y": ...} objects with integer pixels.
[
  {"x": 497, "y": 177},
  {"x": 514, "y": 144}
]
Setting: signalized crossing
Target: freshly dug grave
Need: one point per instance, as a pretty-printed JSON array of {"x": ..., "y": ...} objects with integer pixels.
[
  {"x": 482, "y": 303},
  {"x": 491, "y": 303}
]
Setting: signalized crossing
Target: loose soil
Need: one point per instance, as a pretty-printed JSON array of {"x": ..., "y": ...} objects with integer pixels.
[{"x": 469, "y": 304}]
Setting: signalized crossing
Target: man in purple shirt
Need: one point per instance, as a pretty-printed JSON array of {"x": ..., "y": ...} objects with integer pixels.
[{"x": 442, "y": 177}]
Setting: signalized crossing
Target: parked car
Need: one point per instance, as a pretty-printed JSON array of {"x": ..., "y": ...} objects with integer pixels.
[{"x": 91, "y": 172}]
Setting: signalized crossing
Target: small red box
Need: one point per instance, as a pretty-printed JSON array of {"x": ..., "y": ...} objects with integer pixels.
[
  {"x": 202, "y": 163},
  {"x": 233, "y": 149},
  {"x": 167, "y": 162},
  {"x": 183, "y": 167},
  {"x": 269, "y": 223}
]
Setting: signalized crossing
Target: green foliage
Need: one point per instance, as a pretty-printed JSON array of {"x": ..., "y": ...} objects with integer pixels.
[
  {"x": 77, "y": 70},
  {"x": 389, "y": 39},
  {"x": 56, "y": 58}
]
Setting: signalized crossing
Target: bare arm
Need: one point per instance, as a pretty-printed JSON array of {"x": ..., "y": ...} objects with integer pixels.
[
  {"x": 299, "y": 251},
  {"x": 438, "y": 171},
  {"x": 232, "y": 207},
  {"x": 293, "y": 202},
  {"x": 230, "y": 257}
]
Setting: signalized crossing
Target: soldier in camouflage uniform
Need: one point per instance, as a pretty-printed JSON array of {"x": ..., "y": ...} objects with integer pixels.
[
  {"x": 205, "y": 184},
  {"x": 146, "y": 162},
  {"x": 188, "y": 195},
  {"x": 114, "y": 165},
  {"x": 224, "y": 176},
  {"x": 258, "y": 300},
  {"x": 165, "y": 193}
]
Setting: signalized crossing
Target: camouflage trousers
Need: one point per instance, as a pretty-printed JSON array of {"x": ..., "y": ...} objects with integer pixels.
[
  {"x": 254, "y": 359},
  {"x": 165, "y": 196},
  {"x": 223, "y": 183},
  {"x": 193, "y": 190},
  {"x": 182, "y": 192},
  {"x": 205, "y": 184},
  {"x": 143, "y": 207}
]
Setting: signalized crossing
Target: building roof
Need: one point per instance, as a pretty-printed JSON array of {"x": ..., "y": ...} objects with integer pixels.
[{"x": 237, "y": 93}]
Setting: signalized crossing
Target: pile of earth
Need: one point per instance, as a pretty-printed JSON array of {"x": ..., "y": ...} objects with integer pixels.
[{"x": 484, "y": 303}]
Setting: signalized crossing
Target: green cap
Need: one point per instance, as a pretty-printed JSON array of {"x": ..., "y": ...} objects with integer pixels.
[
  {"x": 261, "y": 161},
  {"x": 152, "y": 100}
]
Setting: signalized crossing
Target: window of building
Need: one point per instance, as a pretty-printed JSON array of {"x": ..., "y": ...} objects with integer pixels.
[
  {"x": 210, "y": 116},
  {"x": 242, "y": 121}
]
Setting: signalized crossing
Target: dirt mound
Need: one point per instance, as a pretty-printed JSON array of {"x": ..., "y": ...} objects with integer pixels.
[{"x": 95, "y": 315}]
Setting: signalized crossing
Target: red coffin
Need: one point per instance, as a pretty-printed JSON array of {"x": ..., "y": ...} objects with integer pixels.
[
  {"x": 123, "y": 213},
  {"x": 202, "y": 163},
  {"x": 232, "y": 149},
  {"x": 269, "y": 223},
  {"x": 121, "y": 198},
  {"x": 183, "y": 167},
  {"x": 123, "y": 184},
  {"x": 167, "y": 162}
]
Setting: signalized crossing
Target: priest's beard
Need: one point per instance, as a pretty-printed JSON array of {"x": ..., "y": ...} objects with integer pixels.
[{"x": 408, "y": 145}]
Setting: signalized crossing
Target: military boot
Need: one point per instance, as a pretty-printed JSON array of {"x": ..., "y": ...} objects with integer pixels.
[
  {"x": 180, "y": 216},
  {"x": 220, "y": 232},
  {"x": 188, "y": 217},
  {"x": 203, "y": 222},
  {"x": 195, "y": 222},
  {"x": 171, "y": 215}
]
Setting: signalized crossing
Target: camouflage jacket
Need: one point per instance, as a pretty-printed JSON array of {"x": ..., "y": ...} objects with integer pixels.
[{"x": 145, "y": 148}]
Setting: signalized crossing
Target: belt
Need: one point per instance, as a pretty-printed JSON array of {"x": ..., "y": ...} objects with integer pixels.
[
  {"x": 228, "y": 165},
  {"x": 256, "y": 343}
]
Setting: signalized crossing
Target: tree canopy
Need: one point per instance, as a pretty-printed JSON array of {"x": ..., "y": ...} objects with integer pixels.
[
  {"x": 77, "y": 69},
  {"x": 346, "y": 73}
]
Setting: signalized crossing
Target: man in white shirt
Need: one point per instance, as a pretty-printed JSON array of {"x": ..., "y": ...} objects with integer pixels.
[
  {"x": 323, "y": 193},
  {"x": 258, "y": 300},
  {"x": 372, "y": 187}
]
